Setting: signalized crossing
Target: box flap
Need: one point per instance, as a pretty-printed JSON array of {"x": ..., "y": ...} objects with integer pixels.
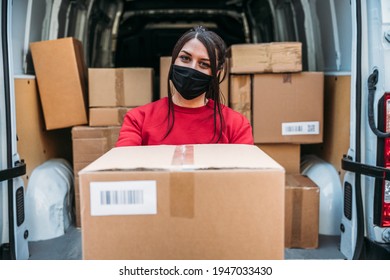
[{"x": 184, "y": 157}]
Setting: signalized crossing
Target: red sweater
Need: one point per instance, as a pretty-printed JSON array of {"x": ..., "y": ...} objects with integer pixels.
[{"x": 147, "y": 125}]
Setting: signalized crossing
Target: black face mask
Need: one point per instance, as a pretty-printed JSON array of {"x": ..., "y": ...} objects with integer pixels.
[{"x": 189, "y": 82}]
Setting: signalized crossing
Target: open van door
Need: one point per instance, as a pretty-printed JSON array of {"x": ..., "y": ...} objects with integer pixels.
[
  {"x": 365, "y": 225},
  {"x": 13, "y": 232}
]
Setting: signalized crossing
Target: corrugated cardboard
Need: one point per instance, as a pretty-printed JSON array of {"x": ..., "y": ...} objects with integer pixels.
[
  {"x": 120, "y": 87},
  {"x": 336, "y": 122},
  {"x": 288, "y": 108},
  {"x": 31, "y": 129},
  {"x": 165, "y": 64},
  {"x": 240, "y": 98},
  {"x": 275, "y": 57},
  {"x": 302, "y": 212},
  {"x": 89, "y": 143},
  {"x": 112, "y": 116},
  {"x": 212, "y": 202},
  {"x": 61, "y": 75},
  {"x": 287, "y": 155}
]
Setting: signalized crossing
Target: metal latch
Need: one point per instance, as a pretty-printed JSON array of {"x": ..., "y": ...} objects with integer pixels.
[
  {"x": 365, "y": 169},
  {"x": 18, "y": 170}
]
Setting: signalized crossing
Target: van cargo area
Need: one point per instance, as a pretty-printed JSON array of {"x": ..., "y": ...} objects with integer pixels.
[{"x": 314, "y": 186}]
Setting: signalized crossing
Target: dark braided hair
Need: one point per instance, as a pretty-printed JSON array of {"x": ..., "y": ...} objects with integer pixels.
[{"x": 216, "y": 49}]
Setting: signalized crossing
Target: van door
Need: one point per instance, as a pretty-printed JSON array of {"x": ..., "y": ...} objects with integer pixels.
[
  {"x": 13, "y": 232},
  {"x": 365, "y": 225}
]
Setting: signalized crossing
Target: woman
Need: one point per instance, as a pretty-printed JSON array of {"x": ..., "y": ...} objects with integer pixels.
[{"x": 193, "y": 112}]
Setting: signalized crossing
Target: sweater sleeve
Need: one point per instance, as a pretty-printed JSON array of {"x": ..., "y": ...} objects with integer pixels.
[
  {"x": 242, "y": 131},
  {"x": 131, "y": 130}
]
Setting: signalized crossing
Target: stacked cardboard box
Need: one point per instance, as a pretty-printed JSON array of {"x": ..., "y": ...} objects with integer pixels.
[
  {"x": 89, "y": 143},
  {"x": 113, "y": 91},
  {"x": 62, "y": 81},
  {"x": 285, "y": 107}
]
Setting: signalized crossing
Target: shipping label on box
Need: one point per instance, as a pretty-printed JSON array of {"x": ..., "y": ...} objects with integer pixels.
[
  {"x": 120, "y": 87},
  {"x": 288, "y": 108},
  {"x": 194, "y": 217}
]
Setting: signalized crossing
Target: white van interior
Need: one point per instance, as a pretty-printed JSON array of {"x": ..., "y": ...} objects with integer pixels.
[{"x": 132, "y": 33}]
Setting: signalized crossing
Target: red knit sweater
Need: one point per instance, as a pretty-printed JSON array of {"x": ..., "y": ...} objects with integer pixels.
[{"x": 147, "y": 125}]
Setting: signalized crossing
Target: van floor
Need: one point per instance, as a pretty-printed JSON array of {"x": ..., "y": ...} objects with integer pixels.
[{"x": 68, "y": 247}]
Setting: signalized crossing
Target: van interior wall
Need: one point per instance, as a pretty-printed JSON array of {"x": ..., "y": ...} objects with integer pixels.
[{"x": 324, "y": 28}]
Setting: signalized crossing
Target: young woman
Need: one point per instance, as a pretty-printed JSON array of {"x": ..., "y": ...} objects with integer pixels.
[{"x": 193, "y": 112}]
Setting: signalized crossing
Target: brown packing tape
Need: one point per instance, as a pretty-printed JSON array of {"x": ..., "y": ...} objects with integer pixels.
[
  {"x": 182, "y": 194},
  {"x": 182, "y": 184},
  {"x": 119, "y": 87},
  {"x": 296, "y": 225}
]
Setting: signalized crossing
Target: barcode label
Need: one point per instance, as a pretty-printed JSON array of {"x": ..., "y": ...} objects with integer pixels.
[
  {"x": 123, "y": 198},
  {"x": 301, "y": 128}
]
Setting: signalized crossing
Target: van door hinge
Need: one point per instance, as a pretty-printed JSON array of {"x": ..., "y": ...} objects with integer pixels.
[
  {"x": 18, "y": 170},
  {"x": 365, "y": 169}
]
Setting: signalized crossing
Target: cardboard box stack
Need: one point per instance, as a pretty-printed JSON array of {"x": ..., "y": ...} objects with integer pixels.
[
  {"x": 285, "y": 106},
  {"x": 112, "y": 92},
  {"x": 89, "y": 143},
  {"x": 183, "y": 202}
]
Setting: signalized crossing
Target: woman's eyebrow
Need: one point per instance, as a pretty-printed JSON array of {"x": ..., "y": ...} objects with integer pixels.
[{"x": 188, "y": 53}]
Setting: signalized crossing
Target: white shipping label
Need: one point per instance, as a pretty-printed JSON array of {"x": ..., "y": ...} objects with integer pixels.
[
  {"x": 301, "y": 128},
  {"x": 123, "y": 198}
]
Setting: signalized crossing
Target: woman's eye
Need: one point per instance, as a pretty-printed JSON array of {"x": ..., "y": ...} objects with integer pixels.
[
  {"x": 185, "y": 58},
  {"x": 204, "y": 65}
]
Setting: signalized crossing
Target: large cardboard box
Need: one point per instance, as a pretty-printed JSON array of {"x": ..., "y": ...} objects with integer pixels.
[
  {"x": 62, "y": 81},
  {"x": 89, "y": 143},
  {"x": 275, "y": 57},
  {"x": 183, "y": 202},
  {"x": 35, "y": 144},
  {"x": 288, "y": 108},
  {"x": 120, "y": 87},
  {"x": 287, "y": 155},
  {"x": 302, "y": 212},
  {"x": 165, "y": 64}
]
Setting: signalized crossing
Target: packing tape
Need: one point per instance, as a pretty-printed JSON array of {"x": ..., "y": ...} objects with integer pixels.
[
  {"x": 182, "y": 185},
  {"x": 119, "y": 87},
  {"x": 183, "y": 155},
  {"x": 296, "y": 227}
]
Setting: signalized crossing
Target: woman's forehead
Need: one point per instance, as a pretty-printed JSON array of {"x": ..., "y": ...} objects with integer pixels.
[{"x": 195, "y": 47}]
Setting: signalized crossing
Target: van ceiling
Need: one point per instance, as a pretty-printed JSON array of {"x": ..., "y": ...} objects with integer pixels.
[{"x": 135, "y": 33}]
